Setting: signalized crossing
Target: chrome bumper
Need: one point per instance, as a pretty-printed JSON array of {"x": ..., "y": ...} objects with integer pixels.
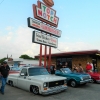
[
  {"x": 98, "y": 81},
  {"x": 54, "y": 90},
  {"x": 85, "y": 81}
]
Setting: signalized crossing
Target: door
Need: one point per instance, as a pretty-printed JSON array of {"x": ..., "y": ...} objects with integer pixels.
[{"x": 22, "y": 79}]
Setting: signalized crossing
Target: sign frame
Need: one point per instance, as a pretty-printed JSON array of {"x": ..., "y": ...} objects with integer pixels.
[
  {"x": 42, "y": 19},
  {"x": 48, "y": 36},
  {"x": 33, "y": 23}
]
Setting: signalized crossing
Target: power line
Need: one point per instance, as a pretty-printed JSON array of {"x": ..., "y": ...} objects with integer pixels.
[{"x": 1, "y": 2}]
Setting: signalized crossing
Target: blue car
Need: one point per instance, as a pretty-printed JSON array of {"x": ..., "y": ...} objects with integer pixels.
[{"x": 73, "y": 79}]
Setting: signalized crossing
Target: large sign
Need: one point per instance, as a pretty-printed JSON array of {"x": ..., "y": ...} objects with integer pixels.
[
  {"x": 45, "y": 14},
  {"x": 44, "y": 39},
  {"x": 43, "y": 27}
]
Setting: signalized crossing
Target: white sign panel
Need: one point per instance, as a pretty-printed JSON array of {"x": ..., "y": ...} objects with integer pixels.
[
  {"x": 43, "y": 27},
  {"x": 44, "y": 39}
]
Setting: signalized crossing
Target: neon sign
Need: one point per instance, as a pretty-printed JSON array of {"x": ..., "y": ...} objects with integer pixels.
[{"x": 45, "y": 14}]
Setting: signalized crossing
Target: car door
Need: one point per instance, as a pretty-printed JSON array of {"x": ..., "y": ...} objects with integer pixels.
[{"x": 22, "y": 79}]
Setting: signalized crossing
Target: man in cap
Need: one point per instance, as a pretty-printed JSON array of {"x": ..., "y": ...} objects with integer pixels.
[{"x": 4, "y": 71}]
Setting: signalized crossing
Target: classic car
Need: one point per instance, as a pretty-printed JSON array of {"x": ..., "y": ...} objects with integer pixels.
[
  {"x": 73, "y": 79},
  {"x": 95, "y": 76},
  {"x": 37, "y": 80},
  {"x": 14, "y": 69}
]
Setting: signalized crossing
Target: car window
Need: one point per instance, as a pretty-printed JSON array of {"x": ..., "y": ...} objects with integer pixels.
[
  {"x": 66, "y": 70},
  {"x": 24, "y": 70}
]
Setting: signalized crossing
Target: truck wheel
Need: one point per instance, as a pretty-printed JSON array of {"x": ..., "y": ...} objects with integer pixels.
[
  {"x": 73, "y": 83},
  {"x": 35, "y": 89},
  {"x": 11, "y": 83}
]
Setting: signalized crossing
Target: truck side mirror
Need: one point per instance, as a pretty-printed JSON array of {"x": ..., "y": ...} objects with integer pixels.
[{"x": 22, "y": 74}]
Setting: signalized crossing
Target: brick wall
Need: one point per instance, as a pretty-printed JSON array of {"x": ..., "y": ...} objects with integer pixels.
[{"x": 81, "y": 59}]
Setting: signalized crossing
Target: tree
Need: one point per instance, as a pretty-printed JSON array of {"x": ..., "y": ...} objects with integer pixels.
[
  {"x": 26, "y": 57},
  {"x": 3, "y": 59}
]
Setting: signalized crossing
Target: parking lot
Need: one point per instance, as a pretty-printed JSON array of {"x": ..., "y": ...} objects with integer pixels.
[{"x": 88, "y": 92}]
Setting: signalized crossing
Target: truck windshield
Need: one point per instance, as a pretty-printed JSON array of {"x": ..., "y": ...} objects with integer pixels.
[{"x": 37, "y": 71}]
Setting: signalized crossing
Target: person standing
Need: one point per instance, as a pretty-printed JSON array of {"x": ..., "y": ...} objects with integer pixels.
[
  {"x": 4, "y": 72},
  {"x": 53, "y": 69},
  {"x": 88, "y": 67},
  {"x": 75, "y": 68},
  {"x": 95, "y": 67},
  {"x": 80, "y": 68}
]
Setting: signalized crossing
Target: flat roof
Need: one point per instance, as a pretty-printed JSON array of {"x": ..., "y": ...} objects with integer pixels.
[{"x": 72, "y": 53}]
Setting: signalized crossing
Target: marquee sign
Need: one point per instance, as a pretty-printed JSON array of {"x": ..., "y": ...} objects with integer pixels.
[
  {"x": 44, "y": 39},
  {"x": 45, "y": 14},
  {"x": 43, "y": 27}
]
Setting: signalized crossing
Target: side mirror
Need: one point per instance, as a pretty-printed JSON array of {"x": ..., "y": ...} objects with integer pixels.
[{"x": 22, "y": 74}]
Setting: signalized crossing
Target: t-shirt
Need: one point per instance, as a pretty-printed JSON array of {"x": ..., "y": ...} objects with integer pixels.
[{"x": 4, "y": 71}]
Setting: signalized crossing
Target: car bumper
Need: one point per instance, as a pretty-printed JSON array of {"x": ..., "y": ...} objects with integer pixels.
[
  {"x": 98, "y": 81},
  {"x": 54, "y": 90},
  {"x": 85, "y": 81}
]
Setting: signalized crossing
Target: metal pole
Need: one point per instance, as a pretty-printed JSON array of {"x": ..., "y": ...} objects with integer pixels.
[
  {"x": 40, "y": 55},
  {"x": 45, "y": 54},
  {"x": 49, "y": 58}
]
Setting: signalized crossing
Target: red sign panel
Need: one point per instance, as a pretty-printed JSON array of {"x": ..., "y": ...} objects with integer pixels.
[{"x": 45, "y": 14}]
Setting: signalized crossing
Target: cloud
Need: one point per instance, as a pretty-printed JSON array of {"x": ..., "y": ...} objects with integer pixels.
[
  {"x": 9, "y": 28},
  {"x": 19, "y": 41}
]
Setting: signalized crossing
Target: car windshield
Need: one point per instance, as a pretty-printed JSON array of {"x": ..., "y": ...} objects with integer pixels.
[
  {"x": 15, "y": 68},
  {"x": 37, "y": 71},
  {"x": 66, "y": 70}
]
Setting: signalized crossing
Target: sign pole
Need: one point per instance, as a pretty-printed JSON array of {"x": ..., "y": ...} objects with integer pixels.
[
  {"x": 49, "y": 58},
  {"x": 40, "y": 55},
  {"x": 45, "y": 54}
]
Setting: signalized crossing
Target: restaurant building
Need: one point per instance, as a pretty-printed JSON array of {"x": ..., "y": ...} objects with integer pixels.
[{"x": 76, "y": 57}]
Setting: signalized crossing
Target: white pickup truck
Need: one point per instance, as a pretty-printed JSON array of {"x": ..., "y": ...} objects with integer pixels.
[{"x": 37, "y": 80}]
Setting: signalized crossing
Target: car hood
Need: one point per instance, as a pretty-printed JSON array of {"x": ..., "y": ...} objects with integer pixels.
[
  {"x": 94, "y": 74},
  {"x": 47, "y": 78}
]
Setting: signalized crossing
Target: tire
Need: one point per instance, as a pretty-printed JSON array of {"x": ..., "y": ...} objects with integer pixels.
[
  {"x": 11, "y": 83},
  {"x": 35, "y": 90},
  {"x": 73, "y": 83},
  {"x": 93, "y": 80}
]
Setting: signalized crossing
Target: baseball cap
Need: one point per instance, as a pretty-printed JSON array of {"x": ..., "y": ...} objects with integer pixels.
[{"x": 4, "y": 62}]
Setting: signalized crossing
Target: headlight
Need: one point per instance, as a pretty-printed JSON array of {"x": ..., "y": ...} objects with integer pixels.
[
  {"x": 45, "y": 84},
  {"x": 81, "y": 78},
  {"x": 89, "y": 76}
]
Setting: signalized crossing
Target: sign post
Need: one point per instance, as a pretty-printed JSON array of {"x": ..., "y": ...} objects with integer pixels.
[{"x": 46, "y": 24}]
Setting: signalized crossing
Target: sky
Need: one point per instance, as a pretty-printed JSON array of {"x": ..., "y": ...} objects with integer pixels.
[{"x": 79, "y": 21}]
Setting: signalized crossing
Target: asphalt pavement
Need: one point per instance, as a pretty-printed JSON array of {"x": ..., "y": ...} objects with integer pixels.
[{"x": 89, "y": 91}]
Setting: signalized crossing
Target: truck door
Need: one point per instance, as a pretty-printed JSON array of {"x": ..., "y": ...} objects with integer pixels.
[{"x": 22, "y": 80}]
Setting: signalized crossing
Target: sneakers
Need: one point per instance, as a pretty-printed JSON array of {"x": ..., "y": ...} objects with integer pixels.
[{"x": 1, "y": 92}]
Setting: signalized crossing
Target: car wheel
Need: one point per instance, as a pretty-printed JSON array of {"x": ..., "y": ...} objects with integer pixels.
[
  {"x": 35, "y": 89},
  {"x": 11, "y": 83},
  {"x": 73, "y": 83},
  {"x": 93, "y": 80}
]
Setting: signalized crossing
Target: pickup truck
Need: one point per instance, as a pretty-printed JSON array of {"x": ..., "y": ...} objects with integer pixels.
[
  {"x": 74, "y": 79},
  {"x": 37, "y": 80}
]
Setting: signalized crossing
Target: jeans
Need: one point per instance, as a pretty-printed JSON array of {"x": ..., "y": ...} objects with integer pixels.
[{"x": 3, "y": 80}]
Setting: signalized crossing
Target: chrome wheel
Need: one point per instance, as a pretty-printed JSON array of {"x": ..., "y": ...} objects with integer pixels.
[
  {"x": 35, "y": 90},
  {"x": 92, "y": 80},
  {"x": 73, "y": 83},
  {"x": 11, "y": 83}
]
